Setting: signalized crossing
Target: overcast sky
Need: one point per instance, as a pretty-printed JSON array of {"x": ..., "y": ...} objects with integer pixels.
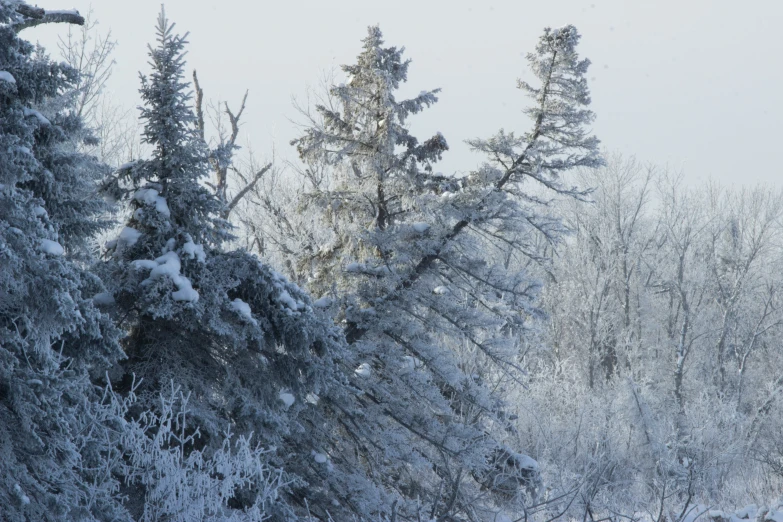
[{"x": 694, "y": 84}]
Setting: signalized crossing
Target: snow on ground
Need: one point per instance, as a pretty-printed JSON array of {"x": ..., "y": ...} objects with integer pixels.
[
  {"x": 751, "y": 512},
  {"x": 705, "y": 513}
]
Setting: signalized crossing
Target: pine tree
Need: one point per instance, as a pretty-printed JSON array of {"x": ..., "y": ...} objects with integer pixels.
[{"x": 52, "y": 337}]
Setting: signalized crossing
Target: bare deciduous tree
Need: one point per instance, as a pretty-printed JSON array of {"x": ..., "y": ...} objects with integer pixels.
[{"x": 222, "y": 151}]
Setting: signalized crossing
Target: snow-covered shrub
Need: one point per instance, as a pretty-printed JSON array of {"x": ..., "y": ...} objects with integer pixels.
[{"x": 166, "y": 477}]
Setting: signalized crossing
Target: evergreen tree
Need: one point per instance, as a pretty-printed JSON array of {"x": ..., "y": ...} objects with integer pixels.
[
  {"x": 52, "y": 337},
  {"x": 427, "y": 272},
  {"x": 70, "y": 179},
  {"x": 373, "y": 168},
  {"x": 240, "y": 341}
]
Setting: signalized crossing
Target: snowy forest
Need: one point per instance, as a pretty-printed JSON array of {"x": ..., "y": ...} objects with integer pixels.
[{"x": 191, "y": 333}]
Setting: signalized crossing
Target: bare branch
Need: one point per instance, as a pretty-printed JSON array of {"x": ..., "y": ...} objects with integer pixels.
[
  {"x": 234, "y": 119},
  {"x": 199, "y": 105},
  {"x": 245, "y": 190}
]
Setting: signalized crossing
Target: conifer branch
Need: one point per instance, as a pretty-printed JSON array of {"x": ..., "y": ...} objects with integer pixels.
[{"x": 36, "y": 16}]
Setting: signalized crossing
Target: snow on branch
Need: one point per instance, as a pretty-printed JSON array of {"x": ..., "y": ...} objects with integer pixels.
[{"x": 36, "y": 16}]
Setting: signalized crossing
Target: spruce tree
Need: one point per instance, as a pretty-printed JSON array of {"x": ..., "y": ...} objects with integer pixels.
[
  {"x": 52, "y": 336},
  {"x": 70, "y": 179}
]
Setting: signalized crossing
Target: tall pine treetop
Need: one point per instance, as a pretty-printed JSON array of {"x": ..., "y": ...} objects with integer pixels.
[
  {"x": 165, "y": 191},
  {"x": 429, "y": 273},
  {"x": 166, "y": 113},
  {"x": 375, "y": 164},
  {"x": 369, "y": 121},
  {"x": 559, "y": 139},
  {"x": 377, "y": 58}
]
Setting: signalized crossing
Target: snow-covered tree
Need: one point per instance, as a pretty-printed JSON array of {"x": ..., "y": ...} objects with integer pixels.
[
  {"x": 595, "y": 290},
  {"x": 53, "y": 339},
  {"x": 663, "y": 309},
  {"x": 426, "y": 272},
  {"x": 373, "y": 168},
  {"x": 69, "y": 178},
  {"x": 235, "y": 336}
]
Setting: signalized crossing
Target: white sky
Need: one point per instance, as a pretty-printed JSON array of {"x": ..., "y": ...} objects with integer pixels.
[{"x": 694, "y": 84}]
